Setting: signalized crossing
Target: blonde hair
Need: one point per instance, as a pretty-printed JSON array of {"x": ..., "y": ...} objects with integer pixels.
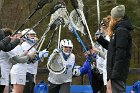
[{"x": 112, "y": 23}]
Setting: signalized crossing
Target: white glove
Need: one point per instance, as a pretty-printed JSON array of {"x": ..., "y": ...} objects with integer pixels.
[
  {"x": 56, "y": 50},
  {"x": 76, "y": 72},
  {"x": 77, "y": 67},
  {"x": 132, "y": 91},
  {"x": 43, "y": 53},
  {"x": 92, "y": 66}
]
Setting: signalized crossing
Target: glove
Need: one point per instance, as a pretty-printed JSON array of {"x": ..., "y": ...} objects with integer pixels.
[
  {"x": 31, "y": 55},
  {"x": 98, "y": 33},
  {"x": 56, "y": 50},
  {"x": 43, "y": 53},
  {"x": 91, "y": 58},
  {"x": 76, "y": 72},
  {"x": 92, "y": 66}
]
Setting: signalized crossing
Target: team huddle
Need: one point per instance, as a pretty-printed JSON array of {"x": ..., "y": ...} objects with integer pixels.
[{"x": 106, "y": 63}]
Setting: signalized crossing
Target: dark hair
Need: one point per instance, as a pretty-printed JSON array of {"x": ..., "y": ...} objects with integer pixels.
[{"x": 7, "y": 31}]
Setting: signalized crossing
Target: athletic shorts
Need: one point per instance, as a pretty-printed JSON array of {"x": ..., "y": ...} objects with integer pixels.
[
  {"x": 4, "y": 81},
  {"x": 18, "y": 79},
  {"x": 5, "y": 71}
]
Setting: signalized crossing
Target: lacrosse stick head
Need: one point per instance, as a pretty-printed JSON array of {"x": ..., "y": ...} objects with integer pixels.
[
  {"x": 56, "y": 7},
  {"x": 56, "y": 23},
  {"x": 76, "y": 20},
  {"x": 56, "y": 64}
]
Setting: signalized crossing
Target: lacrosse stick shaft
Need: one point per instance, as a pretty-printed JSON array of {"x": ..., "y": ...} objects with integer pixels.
[
  {"x": 36, "y": 24},
  {"x": 98, "y": 11},
  {"x": 79, "y": 39},
  {"x": 39, "y": 7},
  {"x": 41, "y": 20},
  {"x": 37, "y": 46},
  {"x": 49, "y": 43},
  {"x": 91, "y": 40},
  {"x": 51, "y": 12},
  {"x": 24, "y": 23},
  {"x": 41, "y": 43},
  {"x": 59, "y": 36},
  {"x": 40, "y": 40},
  {"x": 43, "y": 38}
]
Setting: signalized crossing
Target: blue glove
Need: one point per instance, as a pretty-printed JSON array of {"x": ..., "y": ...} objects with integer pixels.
[{"x": 91, "y": 58}]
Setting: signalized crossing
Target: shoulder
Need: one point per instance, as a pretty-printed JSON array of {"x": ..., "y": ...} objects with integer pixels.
[
  {"x": 72, "y": 55},
  {"x": 121, "y": 31},
  {"x": 25, "y": 44}
]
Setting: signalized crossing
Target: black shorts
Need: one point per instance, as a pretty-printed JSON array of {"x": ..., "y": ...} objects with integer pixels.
[
  {"x": 59, "y": 88},
  {"x": 29, "y": 77},
  {"x": 97, "y": 82}
]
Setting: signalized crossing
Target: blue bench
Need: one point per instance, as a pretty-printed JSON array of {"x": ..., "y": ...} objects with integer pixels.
[{"x": 87, "y": 89}]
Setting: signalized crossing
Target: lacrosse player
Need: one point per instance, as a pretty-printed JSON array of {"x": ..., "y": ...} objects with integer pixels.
[{"x": 60, "y": 83}]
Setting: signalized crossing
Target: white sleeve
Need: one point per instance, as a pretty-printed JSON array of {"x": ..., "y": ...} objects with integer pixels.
[
  {"x": 11, "y": 53},
  {"x": 25, "y": 46}
]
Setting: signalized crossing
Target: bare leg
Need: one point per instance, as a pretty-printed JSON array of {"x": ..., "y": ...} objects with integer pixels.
[
  {"x": 109, "y": 89},
  {"x": 18, "y": 88},
  {"x": 6, "y": 90}
]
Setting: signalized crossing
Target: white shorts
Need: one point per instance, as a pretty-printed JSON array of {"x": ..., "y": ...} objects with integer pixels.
[
  {"x": 18, "y": 79},
  {"x": 5, "y": 71},
  {"x": 4, "y": 81}
]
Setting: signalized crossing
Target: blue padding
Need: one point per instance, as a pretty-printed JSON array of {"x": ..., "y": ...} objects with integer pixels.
[
  {"x": 128, "y": 89},
  {"x": 81, "y": 88},
  {"x": 88, "y": 89}
]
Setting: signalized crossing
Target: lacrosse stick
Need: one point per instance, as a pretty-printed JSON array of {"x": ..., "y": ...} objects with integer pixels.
[
  {"x": 82, "y": 19},
  {"x": 59, "y": 35},
  {"x": 52, "y": 10},
  {"x": 39, "y": 6},
  {"x": 51, "y": 26},
  {"x": 57, "y": 22},
  {"x": 56, "y": 61},
  {"x": 98, "y": 12}
]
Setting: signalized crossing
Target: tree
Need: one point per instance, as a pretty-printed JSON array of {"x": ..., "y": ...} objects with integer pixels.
[{"x": 1, "y": 3}]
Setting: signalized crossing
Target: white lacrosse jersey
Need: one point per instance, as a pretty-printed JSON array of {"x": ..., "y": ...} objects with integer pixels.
[
  {"x": 67, "y": 75},
  {"x": 101, "y": 63},
  {"x": 105, "y": 63},
  {"x": 32, "y": 67},
  {"x": 19, "y": 68}
]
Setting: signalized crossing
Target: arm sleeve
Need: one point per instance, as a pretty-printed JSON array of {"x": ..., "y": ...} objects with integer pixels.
[
  {"x": 11, "y": 45},
  {"x": 84, "y": 68},
  {"x": 19, "y": 59},
  {"x": 4, "y": 43},
  {"x": 103, "y": 42}
]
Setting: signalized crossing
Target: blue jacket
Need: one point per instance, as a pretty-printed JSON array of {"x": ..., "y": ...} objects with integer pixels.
[{"x": 86, "y": 69}]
